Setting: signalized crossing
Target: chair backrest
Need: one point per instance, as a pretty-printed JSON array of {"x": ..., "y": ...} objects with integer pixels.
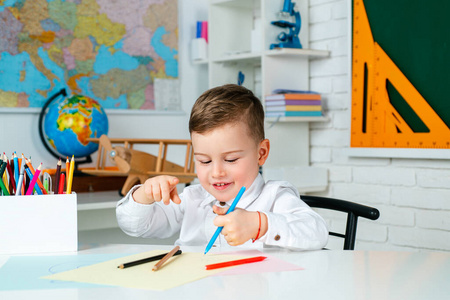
[{"x": 353, "y": 210}]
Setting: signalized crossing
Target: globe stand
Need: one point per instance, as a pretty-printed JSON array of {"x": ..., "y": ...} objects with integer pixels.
[{"x": 87, "y": 159}]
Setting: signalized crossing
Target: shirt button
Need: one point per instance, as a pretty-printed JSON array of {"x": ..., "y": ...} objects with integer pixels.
[
  {"x": 222, "y": 203},
  {"x": 277, "y": 238}
]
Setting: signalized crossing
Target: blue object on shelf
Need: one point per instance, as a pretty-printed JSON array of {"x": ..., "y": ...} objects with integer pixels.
[
  {"x": 241, "y": 78},
  {"x": 291, "y": 39},
  {"x": 199, "y": 29}
]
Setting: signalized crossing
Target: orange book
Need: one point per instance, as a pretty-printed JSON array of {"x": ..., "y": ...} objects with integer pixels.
[{"x": 302, "y": 96}]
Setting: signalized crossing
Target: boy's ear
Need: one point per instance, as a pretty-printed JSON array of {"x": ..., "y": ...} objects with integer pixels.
[{"x": 263, "y": 151}]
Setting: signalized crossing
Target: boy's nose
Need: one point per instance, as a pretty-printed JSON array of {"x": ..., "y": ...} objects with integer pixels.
[{"x": 218, "y": 171}]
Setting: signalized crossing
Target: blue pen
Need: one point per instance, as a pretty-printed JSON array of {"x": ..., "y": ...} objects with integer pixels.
[
  {"x": 219, "y": 229},
  {"x": 199, "y": 29}
]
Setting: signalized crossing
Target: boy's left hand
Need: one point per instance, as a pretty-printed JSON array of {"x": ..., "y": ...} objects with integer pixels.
[{"x": 238, "y": 226}]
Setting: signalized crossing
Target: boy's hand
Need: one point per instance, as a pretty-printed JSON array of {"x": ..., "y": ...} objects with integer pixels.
[
  {"x": 240, "y": 225},
  {"x": 160, "y": 188}
]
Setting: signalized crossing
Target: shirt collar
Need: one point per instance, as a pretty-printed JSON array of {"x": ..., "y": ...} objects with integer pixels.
[{"x": 249, "y": 196}]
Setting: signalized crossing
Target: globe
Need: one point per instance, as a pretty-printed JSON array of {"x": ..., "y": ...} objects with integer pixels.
[{"x": 70, "y": 121}]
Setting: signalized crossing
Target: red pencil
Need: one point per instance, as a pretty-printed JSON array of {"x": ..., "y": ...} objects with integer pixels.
[
  {"x": 61, "y": 183},
  {"x": 12, "y": 182},
  {"x": 235, "y": 262}
]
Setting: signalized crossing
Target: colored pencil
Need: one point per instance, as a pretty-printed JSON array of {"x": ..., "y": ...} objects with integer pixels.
[
  {"x": 67, "y": 170},
  {"x": 30, "y": 172},
  {"x": 36, "y": 186},
  {"x": 22, "y": 172},
  {"x": 19, "y": 184},
  {"x": 165, "y": 258},
  {"x": 11, "y": 164},
  {"x": 219, "y": 229},
  {"x": 16, "y": 167},
  {"x": 146, "y": 260},
  {"x": 12, "y": 182},
  {"x": 26, "y": 179},
  {"x": 3, "y": 188},
  {"x": 30, "y": 165},
  {"x": 57, "y": 176},
  {"x": 3, "y": 167},
  {"x": 6, "y": 183},
  {"x": 61, "y": 184},
  {"x": 70, "y": 175},
  {"x": 34, "y": 180},
  {"x": 235, "y": 262}
]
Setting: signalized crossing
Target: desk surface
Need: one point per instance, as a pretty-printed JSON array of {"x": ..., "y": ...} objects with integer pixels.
[{"x": 326, "y": 275}]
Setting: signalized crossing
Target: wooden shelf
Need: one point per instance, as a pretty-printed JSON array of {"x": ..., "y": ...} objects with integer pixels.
[
  {"x": 237, "y": 3},
  {"x": 244, "y": 56},
  {"x": 200, "y": 62},
  {"x": 297, "y": 52},
  {"x": 297, "y": 119}
]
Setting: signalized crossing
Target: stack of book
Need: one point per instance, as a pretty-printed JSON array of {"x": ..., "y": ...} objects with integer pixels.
[{"x": 293, "y": 103}]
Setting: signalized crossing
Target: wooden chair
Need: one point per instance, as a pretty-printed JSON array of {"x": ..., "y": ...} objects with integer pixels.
[
  {"x": 353, "y": 210},
  {"x": 137, "y": 165}
]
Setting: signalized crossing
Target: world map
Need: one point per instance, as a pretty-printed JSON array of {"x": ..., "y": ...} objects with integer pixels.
[{"x": 109, "y": 50}]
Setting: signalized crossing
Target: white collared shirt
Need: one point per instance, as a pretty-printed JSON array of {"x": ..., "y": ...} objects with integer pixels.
[{"x": 291, "y": 223}]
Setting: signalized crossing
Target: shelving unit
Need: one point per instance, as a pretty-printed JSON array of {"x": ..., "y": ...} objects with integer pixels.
[{"x": 230, "y": 51}]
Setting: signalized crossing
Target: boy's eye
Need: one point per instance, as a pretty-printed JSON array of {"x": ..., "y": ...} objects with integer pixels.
[
  {"x": 205, "y": 162},
  {"x": 231, "y": 160}
]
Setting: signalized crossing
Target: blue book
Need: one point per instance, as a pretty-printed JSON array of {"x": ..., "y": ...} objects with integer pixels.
[
  {"x": 286, "y": 91},
  {"x": 293, "y": 114}
]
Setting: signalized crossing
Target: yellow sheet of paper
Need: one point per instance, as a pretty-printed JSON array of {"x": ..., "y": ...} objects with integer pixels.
[{"x": 179, "y": 270}]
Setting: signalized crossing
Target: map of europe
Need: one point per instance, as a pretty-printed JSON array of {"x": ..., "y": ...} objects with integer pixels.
[{"x": 109, "y": 50}]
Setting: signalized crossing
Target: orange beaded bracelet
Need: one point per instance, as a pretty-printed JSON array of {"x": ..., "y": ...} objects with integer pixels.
[{"x": 259, "y": 228}]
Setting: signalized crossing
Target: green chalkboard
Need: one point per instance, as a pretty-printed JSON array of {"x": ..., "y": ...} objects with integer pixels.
[{"x": 415, "y": 34}]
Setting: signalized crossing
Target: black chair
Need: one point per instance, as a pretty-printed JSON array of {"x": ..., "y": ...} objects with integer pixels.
[{"x": 353, "y": 210}]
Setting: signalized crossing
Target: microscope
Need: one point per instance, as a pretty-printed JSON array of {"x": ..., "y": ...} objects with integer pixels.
[{"x": 291, "y": 39}]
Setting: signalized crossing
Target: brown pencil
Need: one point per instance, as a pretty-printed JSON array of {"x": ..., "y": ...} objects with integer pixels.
[
  {"x": 165, "y": 258},
  {"x": 57, "y": 176},
  {"x": 145, "y": 260}
]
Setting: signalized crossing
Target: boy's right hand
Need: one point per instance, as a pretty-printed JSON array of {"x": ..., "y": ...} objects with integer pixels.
[{"x": 160, "y": 188}]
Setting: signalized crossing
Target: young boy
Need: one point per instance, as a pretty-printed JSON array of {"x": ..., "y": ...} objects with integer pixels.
[{"x": 227, "y": 132}]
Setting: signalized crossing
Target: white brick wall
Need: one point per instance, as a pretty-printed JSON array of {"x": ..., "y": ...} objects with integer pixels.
[{"x": 413, "y": 195}]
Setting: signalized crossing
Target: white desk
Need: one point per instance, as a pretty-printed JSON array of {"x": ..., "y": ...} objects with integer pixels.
[{"x": 326, "y": 275}]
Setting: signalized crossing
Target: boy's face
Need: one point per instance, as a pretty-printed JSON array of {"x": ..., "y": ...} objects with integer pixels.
[{"x": 227, "y": 158}]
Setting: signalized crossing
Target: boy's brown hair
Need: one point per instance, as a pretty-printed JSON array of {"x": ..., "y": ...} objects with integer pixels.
[{"x": 228, "y": 104}]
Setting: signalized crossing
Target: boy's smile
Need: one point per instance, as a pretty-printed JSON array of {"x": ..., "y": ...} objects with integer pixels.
[{"x": 227, "y": 158}]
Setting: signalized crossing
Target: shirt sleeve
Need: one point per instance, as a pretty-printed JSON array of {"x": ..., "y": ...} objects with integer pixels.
[
  {"x": 293, "y": 224},
  {"x": 155, "y": 220}
]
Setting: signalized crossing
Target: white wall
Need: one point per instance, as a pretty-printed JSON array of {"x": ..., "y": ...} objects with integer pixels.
[
  {"x": 19, "y": 131},
  {"x": 413, "y": 195}
]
